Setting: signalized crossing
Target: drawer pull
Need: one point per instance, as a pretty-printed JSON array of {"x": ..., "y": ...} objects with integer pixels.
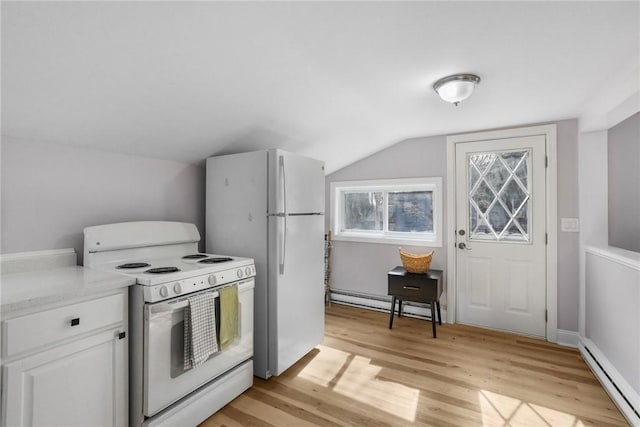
[
  {"x": 413, "y": 288},
  {"x": 75, "y": 321}
]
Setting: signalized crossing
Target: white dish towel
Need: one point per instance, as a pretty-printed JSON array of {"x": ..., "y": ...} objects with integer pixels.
[{"x": 200, "y": 338}]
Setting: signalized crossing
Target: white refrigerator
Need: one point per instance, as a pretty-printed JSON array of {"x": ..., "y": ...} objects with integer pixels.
[{"x": 269, "y": 206}]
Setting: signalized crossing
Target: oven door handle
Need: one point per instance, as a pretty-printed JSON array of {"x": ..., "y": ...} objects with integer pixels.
[{"x": 178, "y": 304}]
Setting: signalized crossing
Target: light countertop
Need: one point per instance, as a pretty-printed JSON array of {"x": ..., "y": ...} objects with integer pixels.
[{"x": 34, "y": 288}]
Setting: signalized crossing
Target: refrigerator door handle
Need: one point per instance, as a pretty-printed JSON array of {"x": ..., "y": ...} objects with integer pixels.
[
  {"x": 283, "y": 182},
  {"x": 283, "y": 254},
  {"x": 283, "y": 179}
]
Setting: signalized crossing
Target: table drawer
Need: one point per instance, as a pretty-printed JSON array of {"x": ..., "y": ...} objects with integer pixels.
[
  {"x": 39, "y": 329},
  {"x": 409, "y": 289}
]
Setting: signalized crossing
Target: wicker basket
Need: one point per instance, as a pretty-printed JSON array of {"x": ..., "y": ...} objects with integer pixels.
[{"x": 416, "y": 263}]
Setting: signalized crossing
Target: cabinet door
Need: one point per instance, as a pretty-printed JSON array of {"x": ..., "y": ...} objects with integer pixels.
[{"x": 83, "y": 383}]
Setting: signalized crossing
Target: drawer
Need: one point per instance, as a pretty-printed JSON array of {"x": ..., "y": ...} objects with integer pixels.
[
  {"x": 40, "y": 329},
  {"x": 413, "y": 290}
]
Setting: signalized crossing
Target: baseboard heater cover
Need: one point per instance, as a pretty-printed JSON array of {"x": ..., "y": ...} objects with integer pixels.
[
  {"x": 381, "y": 303},
  {"x": 631, "y": 413}
]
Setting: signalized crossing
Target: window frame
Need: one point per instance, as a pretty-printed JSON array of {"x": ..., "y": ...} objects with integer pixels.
[{"x": 433, "y": 184}]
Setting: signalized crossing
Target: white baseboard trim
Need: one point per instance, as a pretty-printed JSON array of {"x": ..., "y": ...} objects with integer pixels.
[
  {"x": 568, "y": 338},
  {"x": 381, "y": 303},
  {"x": 622, "y": 394}
]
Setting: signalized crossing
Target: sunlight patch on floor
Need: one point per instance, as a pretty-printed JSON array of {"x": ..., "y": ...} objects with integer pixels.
[
  {"x": 355, "y": 377},
  {"x": 325, "y": 366},
  {"x": 359, "y": 382},
  {"x": 500, "y": 410}
]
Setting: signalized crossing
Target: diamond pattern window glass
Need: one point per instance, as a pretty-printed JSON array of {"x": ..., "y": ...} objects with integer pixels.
[{"x": 499, "y": 196}]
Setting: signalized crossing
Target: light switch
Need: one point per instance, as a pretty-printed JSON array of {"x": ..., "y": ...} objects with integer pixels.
[{"x": 571, "y": 225}]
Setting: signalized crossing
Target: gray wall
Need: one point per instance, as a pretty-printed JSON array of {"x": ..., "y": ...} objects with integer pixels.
[
  {"x": 624, "y": 184},
  {"x": 568, "y": 243},
  {"x": 51, "y": 192},
  {"x": 362, "y": 267}
]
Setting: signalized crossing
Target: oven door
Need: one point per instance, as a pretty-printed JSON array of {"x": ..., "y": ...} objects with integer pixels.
[{"x": 165, "y": 380}]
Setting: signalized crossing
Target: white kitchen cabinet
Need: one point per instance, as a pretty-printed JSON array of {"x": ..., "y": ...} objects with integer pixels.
[
  {"x": 82, "y": 383},
  {"x": 64, "y": 348}
]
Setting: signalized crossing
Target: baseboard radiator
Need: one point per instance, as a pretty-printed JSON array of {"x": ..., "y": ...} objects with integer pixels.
[
  {"x": 381, "y": 303},
  {"x": 611, "y": 341}
]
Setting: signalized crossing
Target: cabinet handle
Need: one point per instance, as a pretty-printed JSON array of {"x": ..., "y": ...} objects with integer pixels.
[
  {"x": 75, "y": 321},
  {"x": 121, "y": 335},
  {"x": 413, "y": 288}
]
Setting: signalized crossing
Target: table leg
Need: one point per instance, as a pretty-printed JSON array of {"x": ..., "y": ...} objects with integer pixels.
[
  {"x": 391, "y": 312},
  {"x": 433, "y": 318},
  {"x": 439, "y": 315}
]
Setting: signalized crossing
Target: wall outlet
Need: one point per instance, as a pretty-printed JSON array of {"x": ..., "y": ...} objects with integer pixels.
[{"x": 571, "y": 225}]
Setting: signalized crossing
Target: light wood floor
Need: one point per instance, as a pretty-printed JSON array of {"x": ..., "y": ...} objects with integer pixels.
[{"x": 367, "y": 375}]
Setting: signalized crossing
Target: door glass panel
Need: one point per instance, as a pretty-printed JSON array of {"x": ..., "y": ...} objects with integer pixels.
[
  {"x": 474, "y": 175},
  {"x": 522, "y": 217},
  {"x": 498, "y": 218},
  {"x": 498, "y": 195},
  {"x": 473, "y": 217},
  {"x": 497, "y": 174},
  {"x": 483, "y": 196},
  {"x": 482, "y": 161},
  {"x": 513, "y": 196},
  {"x": 522, "y": 170},
  {"x": 512, "y": 159}
]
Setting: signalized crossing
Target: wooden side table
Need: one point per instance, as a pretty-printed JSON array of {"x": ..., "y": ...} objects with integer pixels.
[{"x": 418, "y": 287}]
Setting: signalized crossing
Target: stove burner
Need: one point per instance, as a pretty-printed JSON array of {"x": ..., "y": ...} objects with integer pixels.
[
  {"x": 134, "y": 265},
  {"x": 195, "y": 256},
  {"x": 162, "y": 270},
  {"x": 215, "y": 260}
]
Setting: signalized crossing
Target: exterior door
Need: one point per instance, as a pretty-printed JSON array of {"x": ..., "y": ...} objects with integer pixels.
[{"x": 501, "y": 234}]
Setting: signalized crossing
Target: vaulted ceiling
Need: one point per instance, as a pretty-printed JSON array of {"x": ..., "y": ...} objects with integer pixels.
[{"x": 333, "y": 80}]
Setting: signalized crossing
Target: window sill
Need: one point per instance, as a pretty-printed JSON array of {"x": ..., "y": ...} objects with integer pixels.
[{"x": 388, "y": 241}]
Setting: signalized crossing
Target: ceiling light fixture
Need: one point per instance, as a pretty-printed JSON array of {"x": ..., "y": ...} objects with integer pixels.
[{"x": 456, "y": 88}]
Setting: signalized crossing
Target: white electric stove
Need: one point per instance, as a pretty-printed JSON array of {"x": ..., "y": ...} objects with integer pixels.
[{"x": 164, "y": 259}]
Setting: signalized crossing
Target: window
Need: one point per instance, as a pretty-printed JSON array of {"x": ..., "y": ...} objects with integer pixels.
[{"x": 396, "y": 211}]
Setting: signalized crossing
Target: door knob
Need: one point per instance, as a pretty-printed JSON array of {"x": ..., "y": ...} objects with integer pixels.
[{"x": 463, "y": 245}]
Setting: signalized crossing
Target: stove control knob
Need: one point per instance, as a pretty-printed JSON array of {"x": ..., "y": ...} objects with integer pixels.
[
  {"x": 164, "y": 292},
  {"x": 247, "y": 271},
  {"x": 239, "y": 273},
  {"x": 177, "y": 288},
  {"x": 212, "y": 279}
]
